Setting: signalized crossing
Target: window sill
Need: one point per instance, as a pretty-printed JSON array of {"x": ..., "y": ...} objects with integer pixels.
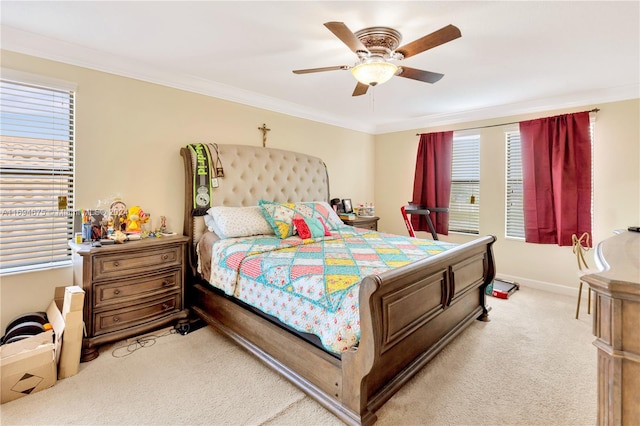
[
  {"x": 467, "y": 234},
  {"x": 35, "y": 268}
]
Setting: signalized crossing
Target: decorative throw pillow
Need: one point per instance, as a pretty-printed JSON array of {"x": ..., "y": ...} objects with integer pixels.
[
  {"x": 280, "y": 215},
  {"x": 237, "y": 221},
  {"x": 327, "y": 233},
  {"x": 309, "y": 227},
  {"x": 323, "y": 210}
]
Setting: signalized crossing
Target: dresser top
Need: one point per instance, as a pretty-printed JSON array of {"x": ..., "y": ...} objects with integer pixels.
[
  {"x": 88, "y": 248},
  {"x": 618, "y": 258}
]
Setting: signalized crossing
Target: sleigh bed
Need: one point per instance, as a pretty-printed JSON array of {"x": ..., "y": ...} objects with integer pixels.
[{"x": 406, "y": 310}]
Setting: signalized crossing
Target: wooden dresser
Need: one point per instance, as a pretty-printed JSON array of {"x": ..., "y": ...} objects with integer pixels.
[
  {"x": 130, "y": 288},
  {"x": 616, "y": 325}
]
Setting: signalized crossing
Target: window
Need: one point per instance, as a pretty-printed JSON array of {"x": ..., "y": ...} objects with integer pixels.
[
  {"x": 514, "y": 198},
  {"x": 36, "y": 175},
  {"x": 464, "y": 205}
]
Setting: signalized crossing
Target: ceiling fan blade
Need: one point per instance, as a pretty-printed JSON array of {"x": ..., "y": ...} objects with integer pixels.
[
  {"x": 420, "y": 75},
  {"x": 436, "y": 38},
  {"x": 360, "y": 89},
  {"x": 310, "y": 70},
  {"x": 340, "y": 30}
]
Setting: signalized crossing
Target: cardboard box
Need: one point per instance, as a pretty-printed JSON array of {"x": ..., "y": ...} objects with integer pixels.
[
  {"x": 31, "y": 365},
  {"x": 72, "y": 305}
]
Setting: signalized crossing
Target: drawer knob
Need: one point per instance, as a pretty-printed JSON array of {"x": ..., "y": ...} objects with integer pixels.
[
  {"x": 166, "y": 283},
  {"x": 116, "y": 291},
  {"x": 165, "y": 306},
  {"x": 116, "y": 319},
  {"x": 116, "y": 263},
  {"x": 165, "y": 257}
]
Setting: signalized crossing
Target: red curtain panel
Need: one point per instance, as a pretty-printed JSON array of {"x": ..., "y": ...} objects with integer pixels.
[
  {"x": 432, "y": 183},
  {"x": 556, "y": 168}
]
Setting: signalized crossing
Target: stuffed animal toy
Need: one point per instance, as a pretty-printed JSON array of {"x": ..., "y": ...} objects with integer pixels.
[
  {"x": 135, "y": 219},
  {"x": 119, "y": 237}
]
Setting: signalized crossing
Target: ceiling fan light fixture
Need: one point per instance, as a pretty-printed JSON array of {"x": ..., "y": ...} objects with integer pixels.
[{"x": 374, "y": 73}]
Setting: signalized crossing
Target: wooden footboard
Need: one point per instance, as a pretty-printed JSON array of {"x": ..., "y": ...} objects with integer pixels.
[{"x": 408, "y": 315}]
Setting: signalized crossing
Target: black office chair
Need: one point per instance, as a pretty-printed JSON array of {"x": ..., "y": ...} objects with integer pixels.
[{"x": 419, "y": 209}]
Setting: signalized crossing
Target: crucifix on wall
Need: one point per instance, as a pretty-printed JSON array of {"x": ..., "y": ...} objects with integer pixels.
[{"x": 264, "y": 134}]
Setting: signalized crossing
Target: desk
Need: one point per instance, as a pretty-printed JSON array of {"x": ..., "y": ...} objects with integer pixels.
[{"x": 616, "y": 325}]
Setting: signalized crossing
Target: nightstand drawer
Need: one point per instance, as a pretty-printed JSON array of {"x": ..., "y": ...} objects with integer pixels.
[
  {"x": 120, "y": 265},
  {"x": 363, "y": 222},
  {"x": 117, "y": 319},
  {"x": 373, "y": 225},
  {"x": 137, "y": 288}
]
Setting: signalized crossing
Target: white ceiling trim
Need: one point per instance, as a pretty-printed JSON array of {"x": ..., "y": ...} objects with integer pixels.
[
  {"x": 574, "y": 100},
  {"x": 44, "y": 47}
]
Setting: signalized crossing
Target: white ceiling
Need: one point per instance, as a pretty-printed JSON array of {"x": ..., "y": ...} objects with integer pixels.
[{"x": 513, "y": 57}]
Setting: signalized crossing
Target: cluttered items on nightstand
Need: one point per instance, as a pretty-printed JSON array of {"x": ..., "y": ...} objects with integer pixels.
[
  {"x": 346, "y": 211},
  {"x": 116, "y": 223}
]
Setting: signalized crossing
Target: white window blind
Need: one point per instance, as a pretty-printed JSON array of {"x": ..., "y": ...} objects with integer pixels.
[
  {"x": 464, "y": 205},
  {"x": 36, "y": 176},
  {"x": 514, "y": 196}
]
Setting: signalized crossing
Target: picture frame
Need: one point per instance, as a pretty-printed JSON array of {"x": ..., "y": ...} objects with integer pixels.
[
  {"x": 91, "y": 225},
  {"x": 96, "y": 219},
  {"x": 346, "y": 205}
]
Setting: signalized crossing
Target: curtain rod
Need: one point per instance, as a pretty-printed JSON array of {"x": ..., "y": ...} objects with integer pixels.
[{"x": 497, "y": 125}]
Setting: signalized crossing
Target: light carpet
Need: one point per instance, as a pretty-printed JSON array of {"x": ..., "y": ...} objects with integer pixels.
[{"x": 533, "y": 364}]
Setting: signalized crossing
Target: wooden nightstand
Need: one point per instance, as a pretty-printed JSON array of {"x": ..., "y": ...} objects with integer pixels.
[
  {"x": 130, "y": 288},
  {"x": 363, "y": 222}
]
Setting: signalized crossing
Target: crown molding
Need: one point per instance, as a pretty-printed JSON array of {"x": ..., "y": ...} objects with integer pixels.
[
  {"x": 60, "y": 51},
  {"x": 572, "y": 100},
  {"x": 56, "y": 50}
]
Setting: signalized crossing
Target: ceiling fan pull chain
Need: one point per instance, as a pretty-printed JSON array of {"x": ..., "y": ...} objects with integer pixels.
[{"x": 373, "y": 100}]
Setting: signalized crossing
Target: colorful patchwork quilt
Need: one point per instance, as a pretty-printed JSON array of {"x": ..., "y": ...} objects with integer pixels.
[{"x": 312, "y": 285}]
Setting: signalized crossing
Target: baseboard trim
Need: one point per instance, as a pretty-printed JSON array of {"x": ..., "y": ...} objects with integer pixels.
[{"x": 540, "y": 285}]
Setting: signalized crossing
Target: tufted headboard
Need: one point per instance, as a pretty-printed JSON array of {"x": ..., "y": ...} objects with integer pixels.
[{"x": 252, "y": 173}]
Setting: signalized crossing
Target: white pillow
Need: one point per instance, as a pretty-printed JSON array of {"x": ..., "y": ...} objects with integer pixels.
[
  {"x": 229, "y": 222},
  {"x": 211, "y": 225}
]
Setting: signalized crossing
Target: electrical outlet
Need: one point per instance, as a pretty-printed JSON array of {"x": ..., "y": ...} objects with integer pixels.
[{"x": 215, "y": 183}]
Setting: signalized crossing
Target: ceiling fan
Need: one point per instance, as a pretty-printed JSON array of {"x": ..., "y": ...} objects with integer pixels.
[{"x": 377, "y": 47}]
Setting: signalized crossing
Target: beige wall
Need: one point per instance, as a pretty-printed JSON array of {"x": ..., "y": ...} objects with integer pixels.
[
  {"x": 616, "y": 190},
  {"x": 129, "y": 134},
  {"x": 128, "y": 138}
]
